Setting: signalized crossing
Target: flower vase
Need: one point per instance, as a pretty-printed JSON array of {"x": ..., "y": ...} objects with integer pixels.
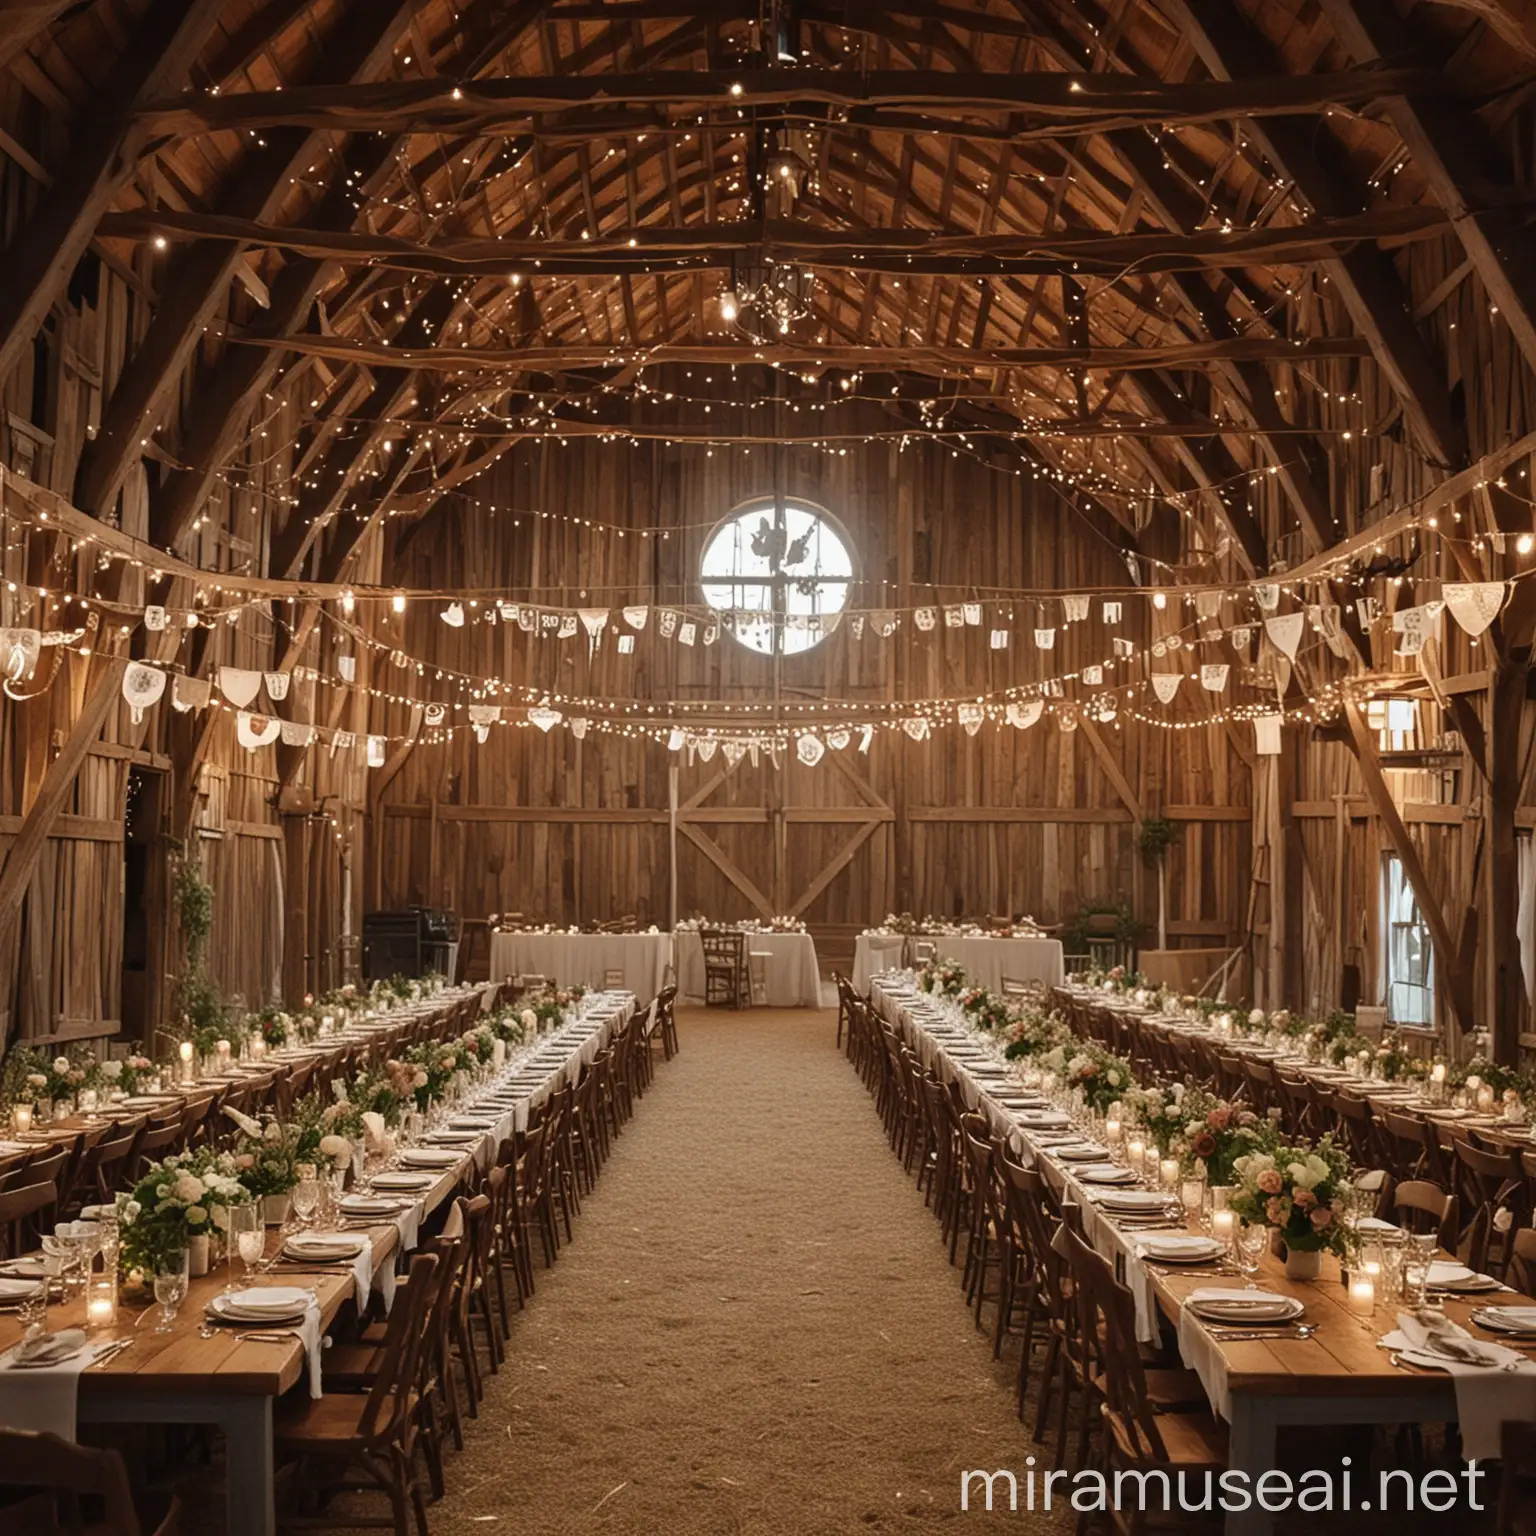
[
  {"x": 197, "y": 1255},
  {"x": 1302, "y": 1266},
  {"x": 275, "y": 1209}
]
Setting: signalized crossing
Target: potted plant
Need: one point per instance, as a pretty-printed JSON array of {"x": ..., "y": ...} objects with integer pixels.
[{"x": 1154, "y": 837}]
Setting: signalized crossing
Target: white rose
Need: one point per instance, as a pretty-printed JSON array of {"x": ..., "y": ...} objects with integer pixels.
[
  {"x": 196, "y": 1216},
  {"x": 61, "y": 1065},
  {"x": 36, "y": 1080},
  {"x": 338, "y": 1149},
  {"x": 1256, "y": 1016},
  {"x": 530, "y": 1019},
  {"x": 189, "y": 1188},
  {"x": 112, "y": 1070}
]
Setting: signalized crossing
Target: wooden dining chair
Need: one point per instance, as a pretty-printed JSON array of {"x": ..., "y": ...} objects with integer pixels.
[
  {"x": 1411, "y": 1149},
  {"x": 726, "y": 984},
  {"x": 353, "y": 1439},
  {"x": 52, "y": 1487},
  {"x": 1420, "y": 1206},
  {"x": 104, "y": 1167},
  {"x": 1522, "y": 1261},
  {"x": 1139, "y": 1434},
  {"x": 1491, "y": 1180}
]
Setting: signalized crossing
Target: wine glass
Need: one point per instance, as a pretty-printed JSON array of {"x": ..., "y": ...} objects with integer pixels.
[
  {"x": 1252, "y": 1239},
  {"x": 1419, "y": 1253},
  {"x": 170, "y": 1286},
  {"x": 306, "y": 1198}
]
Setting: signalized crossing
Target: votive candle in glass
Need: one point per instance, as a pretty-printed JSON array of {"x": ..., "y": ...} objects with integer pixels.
[
  {"x": 1136, "y": 1153},
  {"x": 1485, "y": 1098},
  {"x": 185, "y": 1052},
  {"x": 1168, "y": 1171},
  {"x": 21, "y": 1118},
  {"x": 221, "y": 1051},
  {"x": 1362, "y": 1294},
  {"x": 101, "y": 1301},
  {"x": 1192, "y": 1196},
  {"x": 1223, "y": 1224}
]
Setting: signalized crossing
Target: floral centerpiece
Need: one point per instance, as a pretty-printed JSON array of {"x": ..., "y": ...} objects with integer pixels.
[
  {"x": 1102, "y": 1076},
  {"x": 985, "y": 1010},
  {"x": 436, "y": 1062},
  {"x": 1032, "y": 1032},
  {"x": 1297, "y": 1191},
  {"x": 127, "y": 1075},
  {"x": 548, "y": 1007},
  {"x": 508, "y": 1024},
  {"x": 941, "y": 978},
  {"x": 266, "y": 1157},
  {"x": 1197, "y": 1128},
  {"x": 175, "y": 1202},
  {"x": 274, "y": 1026}
]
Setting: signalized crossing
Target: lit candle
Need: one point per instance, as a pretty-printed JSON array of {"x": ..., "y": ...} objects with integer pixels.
[
  {"x": 1112, "y": 1132},
  {"x": 1168, "y": 1170},
  {"x": 258, "y": 1048},
  {"x": 101, "y": 1302},
  {"x": 186, "y": 1061},
  {"x": 1223, "y": 1225},
  {"x": 21, "y": 1118},
  {"x": 88, "y": 1101},
  {"x": 1485, "y": 1098},
  {"x": 326, "y": 1023},
  {"x": 1136, "y": 1153},
  {"x": 1437, "y": 1072},
  {"x": 221, "y": 1050},
  {"x": 1362, "y": 1295}
]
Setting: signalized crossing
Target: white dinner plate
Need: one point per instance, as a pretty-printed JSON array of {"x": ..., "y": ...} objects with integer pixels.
[
  {"x": 1228, "y": 1304},
  {"x": 1105, "y": 1173},
  {"x": 1520, "y": 1321},
  {"x": 1181, "y": 1247}
]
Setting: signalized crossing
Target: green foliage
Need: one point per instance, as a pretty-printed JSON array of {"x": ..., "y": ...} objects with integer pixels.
[
  {"x": 193, "y": 899},
  {"x": 1154, "y": 837},
  {"x": 1078, "y": 929}
]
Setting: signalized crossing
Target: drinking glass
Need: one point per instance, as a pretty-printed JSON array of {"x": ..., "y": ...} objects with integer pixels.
[
  {"x": 247, "y": 1238},
  {"x": 1252, "y": 1240},
  {"x": 170, "y": 1287},
  {"x": 306, "y": 1199},
  {"x": 1418, "y": 1255}
]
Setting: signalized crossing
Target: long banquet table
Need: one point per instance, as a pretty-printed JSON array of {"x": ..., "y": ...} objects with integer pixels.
[
  {"x": 585, "y": 959},
  {"x": 1336, "y": 1376},
  {"x": 182, "y": 1378},
  {"x": 987, "y": 958},
  {"x": 793, "y": 972}
]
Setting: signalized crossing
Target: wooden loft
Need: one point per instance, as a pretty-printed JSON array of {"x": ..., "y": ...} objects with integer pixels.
[{"x": 305, "y": 303}]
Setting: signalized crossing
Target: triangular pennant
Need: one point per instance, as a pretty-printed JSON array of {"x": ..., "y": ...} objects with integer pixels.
[
  {"x": 1166, "y": 684},
  {"x": 1213, "y": 675},
  {"x": 1329, "y": 621},
  {"x": 1285, "y": 631},
  {"x": 1474, "y": 604},
  {"x": 188, "y": 693},
  {"x": 255, "y": 731},
  {"x": 971, "y": 716},
  {"x": 916, "y": 726},
  {"x": 277, "y": 685},
  {"x": 1207, "y": 604},
  {"x": 1066, "y": 720},
  {"x": 1266, "y": 734},
  {"x": 1045, "y": 639},
  {"x": 1022, "y": 716},
  {"x": 545, "y": 718},
  {"x": 569, "y": 624},
  {"x": 733, "y": 751},
  {"x": 453, "y": 615},
  {"x": 708, "y": 745},
  {"x": 839, "y": 738},
  {"x": 594, "y": 621},
  {"x": 884, "y": 623},
  {"x": 296, "y": 734},
  {"x": 810, "y": 749},
  {"x": 973, "y": 613},
  {"x": 239, "y": 685},
  {"x": 1280, "y": 675},
  {"x": 142, "y": 687},
  {"x": 1268, "y": 595}
]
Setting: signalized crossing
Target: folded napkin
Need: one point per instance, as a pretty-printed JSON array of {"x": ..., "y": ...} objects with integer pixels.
[
  {"x": 40, "y": 1381},
  {"x": 1492, "y": 1383}
]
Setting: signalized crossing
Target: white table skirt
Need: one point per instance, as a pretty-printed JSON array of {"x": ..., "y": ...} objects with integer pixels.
[
  {"x": 583, "y": 959},
  {"x": 986, "y": 960},
  {"x": 794, "y": 976}
]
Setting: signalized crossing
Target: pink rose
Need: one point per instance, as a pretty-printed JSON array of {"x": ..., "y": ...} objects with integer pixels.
[
  {"x": 1270, "y": 1182},
  {"x": 1322, "y": 1217},
  {"x": 1218, "y": 1118},
  {"x": 1276, "y": 1212},
  {"x": 1305, "y": 1199}
]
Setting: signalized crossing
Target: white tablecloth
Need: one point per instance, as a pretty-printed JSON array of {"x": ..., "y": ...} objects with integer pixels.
[
  {"x": 794, "y": 976},
  {"x": 583, "y": 959},
  {"x": 986, "y": 960}
]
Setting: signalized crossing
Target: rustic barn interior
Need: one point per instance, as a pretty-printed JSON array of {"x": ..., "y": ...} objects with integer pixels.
[{"x": 583, "y": 579}]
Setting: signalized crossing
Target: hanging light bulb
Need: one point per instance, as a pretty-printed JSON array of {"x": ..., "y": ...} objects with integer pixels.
[
  {"x": 397, "y": 602},
  {"x": 348, "y": 603},
  {"x": 729, "y": 308}
]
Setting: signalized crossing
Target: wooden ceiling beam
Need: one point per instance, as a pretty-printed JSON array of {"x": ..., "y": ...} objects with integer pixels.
[
  {"x": 1454, "y": 154},
  {"x": 43, "y": 254},
  {"x": 593, "y": 252},
  {"x": 257, "y": 189},
  {"x": 1365, "y": 279},
  {"x": 493, "y": 106}
]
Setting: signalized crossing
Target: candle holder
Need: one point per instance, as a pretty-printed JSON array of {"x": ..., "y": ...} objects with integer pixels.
[
  {"x": 1362, "y": 1294},
  {"x": 1168, "y": 1173},
  {"x": 21, "y": 1119},
  {"x": 1136, "y": 1153},
  {"x": 184, "y": 1051},
  {"x": 101, "y": 1301}
]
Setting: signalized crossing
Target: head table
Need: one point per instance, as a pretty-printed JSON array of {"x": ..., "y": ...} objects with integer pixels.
[
  {"x": 988, "y": 959},
  {"x": 791, "y": 970},
  {"x": 586, "y": 959},
  {"x": 182, "y": 1377},
  {"x": 1337, "y": 1375}
]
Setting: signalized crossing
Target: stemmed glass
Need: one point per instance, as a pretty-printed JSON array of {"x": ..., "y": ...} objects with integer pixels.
[
  {"x": 306, "y": 1195},
  {"x": 170, "y": 1286},
  {"x": 1252, "y": 1239},
  {"x": 1418, "y": 1255}
]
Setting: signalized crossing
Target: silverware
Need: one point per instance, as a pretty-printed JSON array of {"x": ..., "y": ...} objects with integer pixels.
[
  {"x": 112, "y": 1351},
  {"x": 1232, "y": 1334}
]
